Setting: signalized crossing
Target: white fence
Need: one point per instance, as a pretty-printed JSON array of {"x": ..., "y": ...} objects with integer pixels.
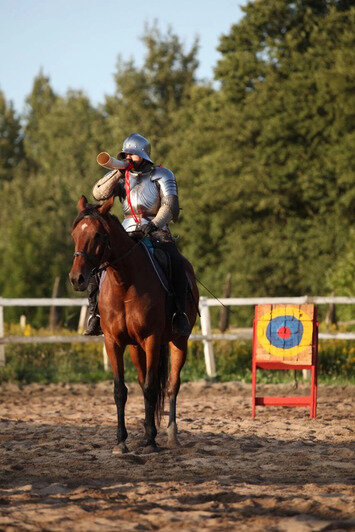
[{"x": 206, "y": 336}]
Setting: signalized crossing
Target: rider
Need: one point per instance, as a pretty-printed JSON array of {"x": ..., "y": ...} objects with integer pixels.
[{"x": 150, "y": 201}]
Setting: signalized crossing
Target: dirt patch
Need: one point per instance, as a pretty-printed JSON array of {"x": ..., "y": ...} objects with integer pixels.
[{"x": 281, "y": 471}]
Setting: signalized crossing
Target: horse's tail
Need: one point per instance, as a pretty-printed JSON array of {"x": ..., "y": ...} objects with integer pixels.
[{"x": 163, "y": 370}]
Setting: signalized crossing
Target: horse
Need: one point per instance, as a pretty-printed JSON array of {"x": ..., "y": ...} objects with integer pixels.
[{"x": 133, "y": 307}]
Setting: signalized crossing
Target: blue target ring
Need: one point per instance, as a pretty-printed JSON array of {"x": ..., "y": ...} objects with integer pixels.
[{"x": 284, "y": 332}]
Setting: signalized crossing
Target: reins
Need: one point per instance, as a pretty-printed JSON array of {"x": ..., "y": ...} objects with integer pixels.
[
  {"x": 106, "y": 264},
  {"x": 215, "y": 297}
]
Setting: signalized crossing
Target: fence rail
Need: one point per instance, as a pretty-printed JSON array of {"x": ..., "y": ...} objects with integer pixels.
[{"x": 207, "y": 337}]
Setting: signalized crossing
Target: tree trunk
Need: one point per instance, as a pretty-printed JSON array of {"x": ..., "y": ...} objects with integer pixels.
[{"x": 331, "y": 317}]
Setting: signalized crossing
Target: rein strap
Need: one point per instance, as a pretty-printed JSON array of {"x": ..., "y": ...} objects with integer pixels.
[{"x": 107, "y": 264}]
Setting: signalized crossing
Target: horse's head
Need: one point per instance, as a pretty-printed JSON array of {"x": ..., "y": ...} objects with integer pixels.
[{"x": 92, "y": 244}]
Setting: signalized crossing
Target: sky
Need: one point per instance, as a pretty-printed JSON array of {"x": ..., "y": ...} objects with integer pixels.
[{"x": 76, "y": 42}]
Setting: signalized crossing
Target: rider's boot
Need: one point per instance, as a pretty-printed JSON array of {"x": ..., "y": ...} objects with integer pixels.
[
  {"x": 180, "y": 321},
  {"x": 93, "y": 327},
  {"x": 181, "y": 324}
]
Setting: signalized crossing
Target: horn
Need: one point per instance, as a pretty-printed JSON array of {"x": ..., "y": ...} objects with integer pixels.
[{"x": 104, "y": 159}]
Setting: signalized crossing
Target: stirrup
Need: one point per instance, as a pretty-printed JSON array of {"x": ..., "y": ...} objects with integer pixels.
[
  {"x": 93, "y": 327},
  {"x": 181, "y": 324}
]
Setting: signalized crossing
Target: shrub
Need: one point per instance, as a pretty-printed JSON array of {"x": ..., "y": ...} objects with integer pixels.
[{"x": 47, "y": 363}]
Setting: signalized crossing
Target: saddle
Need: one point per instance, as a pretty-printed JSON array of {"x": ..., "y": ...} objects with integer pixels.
[
  {"x": 164, "y": 261},
  {"x": 159, "y": 258},
  {"x": 161, "y": 263}
]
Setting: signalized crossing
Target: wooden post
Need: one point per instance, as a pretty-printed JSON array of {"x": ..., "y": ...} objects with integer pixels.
[
  {"x": 82, "y": 318},
  {"x": 2, "y": 347},
  {"x": 253, "y": 373},
  {"x": 105, "y": 357},
  {"x": 306, "y": 374},
  {"x": 225, "y": 311},
  {"x": 54, "y": 311},
  {"x": 207, "y": 343}
]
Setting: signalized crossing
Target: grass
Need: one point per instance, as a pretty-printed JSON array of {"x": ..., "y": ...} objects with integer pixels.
[{"x": 46, "y": 363}]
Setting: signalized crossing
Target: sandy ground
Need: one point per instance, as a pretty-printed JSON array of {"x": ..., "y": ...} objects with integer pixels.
[{"x": 281, "y": 471}]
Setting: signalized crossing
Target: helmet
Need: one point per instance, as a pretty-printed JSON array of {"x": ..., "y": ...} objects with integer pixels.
[{"x": 136, "y": 144}]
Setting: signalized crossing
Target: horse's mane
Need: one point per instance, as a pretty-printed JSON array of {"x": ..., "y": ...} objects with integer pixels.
[{"x": 91, "y": 211}]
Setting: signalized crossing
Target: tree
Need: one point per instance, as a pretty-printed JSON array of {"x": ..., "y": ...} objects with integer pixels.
[
  {"x": 11, "y": 142},
  {"x": 69, "y": 138},
  {"x": 147, "y": 97},
  {"x": 35, "y": 242},
  {"x": 39, "y": 103},
  {"x": 286, "y": 72},
  {"x": 63, "y": 136}
]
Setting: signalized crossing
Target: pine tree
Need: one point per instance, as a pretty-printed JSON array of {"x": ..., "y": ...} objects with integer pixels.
[
  {"x": 11, "y": 142},
  {"x": 147, "y": 97}
]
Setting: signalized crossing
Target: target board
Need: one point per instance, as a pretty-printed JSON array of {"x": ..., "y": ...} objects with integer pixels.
[
  {"x": 284, "y": 333},
  {"x": 285, "y": 337}
]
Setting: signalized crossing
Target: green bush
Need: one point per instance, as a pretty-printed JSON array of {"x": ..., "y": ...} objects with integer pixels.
[{"x": 47, "y": 363}]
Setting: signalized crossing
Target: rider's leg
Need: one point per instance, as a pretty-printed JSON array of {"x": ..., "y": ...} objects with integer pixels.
[
  {"x": 181, "y": 323},
  {"x": 93, "y": 325}
]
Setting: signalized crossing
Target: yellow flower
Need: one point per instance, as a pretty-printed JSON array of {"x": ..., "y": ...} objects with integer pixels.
[{"x": 28, "y": 330}]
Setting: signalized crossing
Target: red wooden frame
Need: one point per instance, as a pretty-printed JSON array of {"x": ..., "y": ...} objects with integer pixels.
[{"x": 310, "y": 400}]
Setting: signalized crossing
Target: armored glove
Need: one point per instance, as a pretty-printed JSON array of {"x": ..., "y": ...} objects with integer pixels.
[{"x": 148, "y": 228}]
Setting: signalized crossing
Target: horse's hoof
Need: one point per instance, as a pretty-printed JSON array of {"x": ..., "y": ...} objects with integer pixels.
[
  {"x": 121, "y": 448},
  {"x": 172, "y": 435},
  {"x": 150, "y": 448},
  {"x": 173, "y": 443}
]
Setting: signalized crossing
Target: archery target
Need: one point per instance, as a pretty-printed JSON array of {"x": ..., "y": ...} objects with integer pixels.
[{"x": 284, "y": 331}]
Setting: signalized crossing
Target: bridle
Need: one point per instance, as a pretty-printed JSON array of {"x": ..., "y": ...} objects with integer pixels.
[
  {"x": 91, "y": 258},
  {"x": 104, "y": 263}
]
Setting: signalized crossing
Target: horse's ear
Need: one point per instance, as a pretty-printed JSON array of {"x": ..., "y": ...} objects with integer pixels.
[
  {"x": 82, "y": 203},
  {"x": 107, "y": 206}
]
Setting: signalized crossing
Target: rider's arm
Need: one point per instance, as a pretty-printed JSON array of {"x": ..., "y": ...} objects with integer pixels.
[
  {"x": 169, "y": 207},
  {"x": 110, "y": 184}
]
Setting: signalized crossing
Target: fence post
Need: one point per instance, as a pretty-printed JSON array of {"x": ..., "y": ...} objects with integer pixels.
[
  {"x": 23, "y": 322},
  {"x": 2, "y": 347},
  {"x": 207, "y": 343},
  {"x": 105, "y": 359},
  {"x": 82, "y": 318}
]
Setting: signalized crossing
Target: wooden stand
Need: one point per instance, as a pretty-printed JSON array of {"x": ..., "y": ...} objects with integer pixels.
[{"x": 259, "y": 362}]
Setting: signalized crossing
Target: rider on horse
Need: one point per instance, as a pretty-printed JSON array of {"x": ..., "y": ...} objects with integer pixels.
[{"x": 149, "y": 199}]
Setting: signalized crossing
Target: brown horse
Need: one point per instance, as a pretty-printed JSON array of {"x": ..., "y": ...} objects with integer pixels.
[{"x": 133, "y": 311}]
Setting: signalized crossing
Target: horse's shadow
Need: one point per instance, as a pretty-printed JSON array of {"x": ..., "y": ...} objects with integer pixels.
[{"x": 76, "y": 455}]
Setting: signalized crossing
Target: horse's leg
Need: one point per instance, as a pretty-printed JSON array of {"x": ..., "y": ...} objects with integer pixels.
[
  {"x": 139, "y": 360},
  {"x": 115, "y": 355},
  {"x": 151, "y": 388},
  {"x": 178, "y": 351}
]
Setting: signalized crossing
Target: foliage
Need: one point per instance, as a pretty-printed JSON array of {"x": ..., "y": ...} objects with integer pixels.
[
  {"x": 146, "y": 98},
  {"x": 263, "y": 162},
  {"x": 270, "y": 171},
  {"x": 84, "y": 363},
  {"x": 11, "y": 142}
]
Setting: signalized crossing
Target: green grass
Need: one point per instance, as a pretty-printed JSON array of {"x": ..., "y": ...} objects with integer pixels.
[{"x": 46, "y": 363}]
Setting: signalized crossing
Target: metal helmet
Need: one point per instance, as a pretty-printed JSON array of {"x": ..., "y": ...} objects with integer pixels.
[{"x": 138, "y": 145}]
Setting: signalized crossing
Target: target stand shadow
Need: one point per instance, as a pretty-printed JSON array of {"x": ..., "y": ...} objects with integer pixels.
[{"x": 285, "y": 337}]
